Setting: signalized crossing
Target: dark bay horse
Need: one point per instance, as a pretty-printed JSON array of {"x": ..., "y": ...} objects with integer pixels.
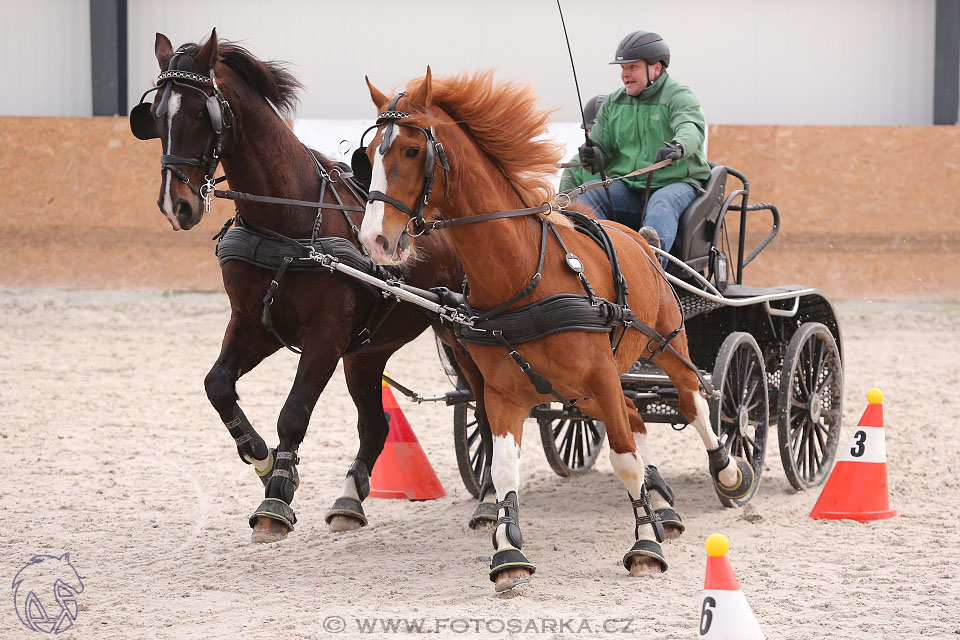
[
  {"x": 218, "y": 103},
  {"x": 498, "y": 161}
]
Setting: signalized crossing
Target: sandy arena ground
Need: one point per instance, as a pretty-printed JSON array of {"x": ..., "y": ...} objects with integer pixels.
[{"x": 111, "y": 452}]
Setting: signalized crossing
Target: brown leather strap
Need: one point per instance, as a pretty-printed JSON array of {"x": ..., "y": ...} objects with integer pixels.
[
  {"x": 583, "y": 188},
  {"x": 493, "y": 215}
]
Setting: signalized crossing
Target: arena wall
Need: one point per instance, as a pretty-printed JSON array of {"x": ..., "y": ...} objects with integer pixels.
[{"x": 868, "y": 212}]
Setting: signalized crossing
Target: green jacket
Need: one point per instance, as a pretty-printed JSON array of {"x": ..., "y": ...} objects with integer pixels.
[
  {"x": 576, "y": 176},
  {"x": 630, "y": 130}
]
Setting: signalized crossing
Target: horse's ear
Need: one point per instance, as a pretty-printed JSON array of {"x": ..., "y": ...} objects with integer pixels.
[
  {"x": 208, "y": 55},
  {"x": 424, "y": 92},
  {"x": 164, "y": 51},
  {"x": 379, "y": 100}
]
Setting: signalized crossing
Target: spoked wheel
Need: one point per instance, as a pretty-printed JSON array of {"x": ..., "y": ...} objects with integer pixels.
[
  {"x": 571, "y": 439},
  {"x": 810, "y": 405},
  {"x": 740, "y": 417},
  {"x": 468, "y": 444}
]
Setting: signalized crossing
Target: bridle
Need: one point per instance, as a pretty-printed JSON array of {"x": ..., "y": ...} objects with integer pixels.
[
  {"x": 142, "y": 124},
  {"x": 433, "y": 157}
]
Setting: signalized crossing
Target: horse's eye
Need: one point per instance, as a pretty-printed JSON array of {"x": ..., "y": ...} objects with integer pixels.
[
  {"x": 201, "y": 114},
  {"x": 412, "y": 152}
]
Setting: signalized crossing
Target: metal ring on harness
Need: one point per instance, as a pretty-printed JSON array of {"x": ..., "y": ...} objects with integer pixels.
[
  {"x": 566, "y": 204},
  {"x": 418, "y": 221}
]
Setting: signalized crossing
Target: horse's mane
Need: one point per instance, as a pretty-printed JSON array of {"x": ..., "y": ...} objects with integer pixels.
[
  {"x": 270, "y": 79},
  {"x": 504, "y": 120}
]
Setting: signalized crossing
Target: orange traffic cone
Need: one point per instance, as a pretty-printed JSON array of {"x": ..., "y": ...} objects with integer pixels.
[
  {"x": 725, "y": 612},
  {"x": 402, "y": 470},
  {"x": 857, "y": 487}
]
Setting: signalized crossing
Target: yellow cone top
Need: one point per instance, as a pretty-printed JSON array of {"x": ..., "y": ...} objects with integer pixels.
[
  {"x": 717, "y": 545},
  {"x": 875, "y": 396}
]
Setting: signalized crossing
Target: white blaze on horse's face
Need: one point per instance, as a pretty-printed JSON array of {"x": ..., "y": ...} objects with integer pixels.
[
  {"x": 173, "y": 105},
  {"x": 371, "y": 231}
]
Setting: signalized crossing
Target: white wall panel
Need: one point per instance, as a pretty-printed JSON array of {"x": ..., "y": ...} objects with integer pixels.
[
  {"x": 750, "y": 61},
  {"x": 45, "y": 46}
]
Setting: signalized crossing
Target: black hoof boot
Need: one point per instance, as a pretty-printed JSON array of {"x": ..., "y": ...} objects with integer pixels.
[
  {"x": 268, "y": 473},
  {"x": 486, "y": 511},
  {"x": 274, "y": 509},
  {"x": 669, "y": 516},
  {"x": 719, "y": 459},
  {"x": 509, "y": 559},
  {"x": 506, "y": 559},
  {"x": 485, "y": 514},
  {"x": 348, "y": 507},
  {"x": 645, "y": 549}
]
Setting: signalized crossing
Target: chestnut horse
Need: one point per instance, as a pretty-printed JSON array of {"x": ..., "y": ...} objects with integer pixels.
[
  {"x": 219, "y": 102},
  {"x": 497, "y": 160}
]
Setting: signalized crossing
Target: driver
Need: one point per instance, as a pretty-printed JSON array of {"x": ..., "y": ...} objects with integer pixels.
[{"x": 651, "y": 118}]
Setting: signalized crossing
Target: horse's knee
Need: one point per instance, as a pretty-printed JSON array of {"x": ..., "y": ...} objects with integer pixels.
[
  {"x": 221, "y": 388},
  {"x": 292, "y": 424}
]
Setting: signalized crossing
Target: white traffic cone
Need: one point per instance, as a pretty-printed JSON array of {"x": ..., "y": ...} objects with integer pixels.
[{"x": 725, "y": 614}]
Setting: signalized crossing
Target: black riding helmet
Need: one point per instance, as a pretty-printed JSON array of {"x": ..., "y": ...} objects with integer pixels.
[
  {"x": 591, "y": 109},
  {"x": 643, "y": 45}
]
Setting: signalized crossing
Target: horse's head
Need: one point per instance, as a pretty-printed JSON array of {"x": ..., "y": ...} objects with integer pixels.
[
  {"x": 192, "y": 118},
  {"x": 404, "y": 156}
]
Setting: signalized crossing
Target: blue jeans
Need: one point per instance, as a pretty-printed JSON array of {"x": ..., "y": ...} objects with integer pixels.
[{"x": 667, "y": 204}]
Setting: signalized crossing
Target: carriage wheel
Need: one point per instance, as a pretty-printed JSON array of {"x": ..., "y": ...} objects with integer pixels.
[
  {"x": 810, "y": 405},
  {"x": 571, "y": 439},
  {"x": 468, "y": 444},
  {"x": 740, "y": 417}
]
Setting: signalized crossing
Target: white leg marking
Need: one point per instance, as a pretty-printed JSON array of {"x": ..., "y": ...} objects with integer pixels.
[
  {"x": 629, "y": 468},
  {"x": 173, "y": 105},
  {"x": 373, "y": 215},
  {"x": 259, "y": 465},
  {"x": 641, "y": 439},
  {"x": 702, "y": 424},
  {"x": 349, "y": 489},
  {"x": 505, "y": 471}
]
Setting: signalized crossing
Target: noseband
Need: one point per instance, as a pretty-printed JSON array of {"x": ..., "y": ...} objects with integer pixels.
[
  {"x": 144, "y": 127},
  {"x": 434, "y": 156}
]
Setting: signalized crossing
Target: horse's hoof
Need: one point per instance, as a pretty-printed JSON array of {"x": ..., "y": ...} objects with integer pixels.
[
  {"x": 268, "y": 530},
  {"x": 644, "y": 566},
  {"x": 672, "y": 531},
  {"x": 484, "y": 516},
  {"x": 511, "y": 578},
  {"x": 341, "y": 523}
]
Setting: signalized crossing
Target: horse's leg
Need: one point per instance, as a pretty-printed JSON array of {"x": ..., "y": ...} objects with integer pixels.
[
  {"x": 364, "y": 375},
  {"x": 508, "y": 567},
  {"x": 607, "y": 401},
  {"x": 661, "y": 494},
  {"x": 732, "y": 476},
  {"x": 486, "y": 512},
  {"x": 274, "y": 518},
  {"x": 244, "y": 347}
]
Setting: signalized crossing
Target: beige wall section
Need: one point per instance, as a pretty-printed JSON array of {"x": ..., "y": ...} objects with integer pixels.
[
  {"x": 868, "y": 212},
  {"x": 78, "y": 209}
]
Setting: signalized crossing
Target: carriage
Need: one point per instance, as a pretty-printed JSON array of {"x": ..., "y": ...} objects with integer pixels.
[{"x": 774, "y": 356}]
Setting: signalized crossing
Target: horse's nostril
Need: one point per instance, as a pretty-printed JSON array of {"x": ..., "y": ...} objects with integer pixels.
[
  {"x": 383, "y": 243},
  {"x": 183, "y": 209}
]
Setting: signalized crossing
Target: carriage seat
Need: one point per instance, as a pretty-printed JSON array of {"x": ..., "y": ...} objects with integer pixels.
[{"x": 695, "y": 231}]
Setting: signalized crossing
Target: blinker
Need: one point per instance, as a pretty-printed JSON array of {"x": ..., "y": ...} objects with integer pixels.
[
  {"x": 360, "y": 164},
  {"x": 216, "y": 114},
  {"x": 142, "y": 124}
]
